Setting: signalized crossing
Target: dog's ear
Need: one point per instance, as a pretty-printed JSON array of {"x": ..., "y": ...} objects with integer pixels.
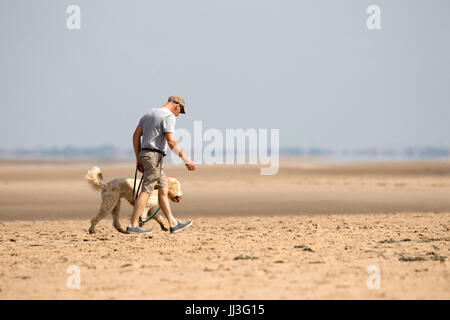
[{"x": 172, "y": 188}]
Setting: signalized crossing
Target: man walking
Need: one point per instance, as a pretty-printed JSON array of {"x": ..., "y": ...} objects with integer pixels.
[{"x": 157, "y": 129}]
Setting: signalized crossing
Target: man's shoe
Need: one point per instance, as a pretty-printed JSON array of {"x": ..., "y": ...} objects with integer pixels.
[
  {"x": 180, "y": 226},
  {"x": 138, "y": 230}
]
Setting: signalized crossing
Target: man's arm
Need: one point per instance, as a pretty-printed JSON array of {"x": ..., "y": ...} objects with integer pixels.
[
  {"x": 137, "y": 145},
  {"x": 175, "y": 147}
]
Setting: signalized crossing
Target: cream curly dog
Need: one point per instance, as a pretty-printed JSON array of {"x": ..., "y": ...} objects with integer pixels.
[{"x": 115, "y": 189}]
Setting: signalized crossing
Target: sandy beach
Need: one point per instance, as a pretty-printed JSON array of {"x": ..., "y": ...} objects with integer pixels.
[{"x": 309, "y": 232}]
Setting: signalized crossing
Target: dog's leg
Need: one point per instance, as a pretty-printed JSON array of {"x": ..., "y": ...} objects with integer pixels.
[
  {"x": 116, "y": 221},
  {"x": 108, "y": 202},
  {"x": 159, "y": 219}
]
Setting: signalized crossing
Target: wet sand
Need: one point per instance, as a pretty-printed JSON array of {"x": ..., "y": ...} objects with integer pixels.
[{"x": 309, "y": 232}]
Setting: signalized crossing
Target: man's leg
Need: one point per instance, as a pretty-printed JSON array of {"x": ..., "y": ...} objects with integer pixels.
[
  {"x": 163, "y": 200},
  {"x": 139, "y": 206}
]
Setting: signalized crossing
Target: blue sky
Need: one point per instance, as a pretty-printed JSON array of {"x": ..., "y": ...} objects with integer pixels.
[{"x": 309, "y": 68}]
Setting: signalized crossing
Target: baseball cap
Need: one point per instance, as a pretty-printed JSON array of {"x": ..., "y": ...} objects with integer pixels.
[{"x": 180, "y": 100}]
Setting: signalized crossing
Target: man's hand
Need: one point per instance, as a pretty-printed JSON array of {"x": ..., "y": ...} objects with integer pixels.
[
  {"x": 190, "y": 166},
  {"x": 139, "y": 166}
]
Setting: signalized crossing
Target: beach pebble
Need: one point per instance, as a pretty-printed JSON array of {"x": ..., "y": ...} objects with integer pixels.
[
  {"x": 411, "y": 259},
  {"x": 305, "y": 248},
  {"x": 245, "y": 257},
  {"x": 126, "y": 265}
]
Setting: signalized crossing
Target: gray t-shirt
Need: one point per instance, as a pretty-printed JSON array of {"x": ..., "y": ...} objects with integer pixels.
[{"x": 155, "y": 124}]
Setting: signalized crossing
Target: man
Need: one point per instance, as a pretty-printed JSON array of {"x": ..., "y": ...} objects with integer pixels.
[{"x": 157, "y": 129}]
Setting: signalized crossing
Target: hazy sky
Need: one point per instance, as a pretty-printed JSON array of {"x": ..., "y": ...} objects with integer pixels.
[{"x": 310, "y": 68}]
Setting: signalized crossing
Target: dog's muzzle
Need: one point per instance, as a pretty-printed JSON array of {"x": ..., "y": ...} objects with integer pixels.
[{"x": 176, "y": 199}]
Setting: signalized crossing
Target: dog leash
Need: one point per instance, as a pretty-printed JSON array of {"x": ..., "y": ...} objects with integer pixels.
[
  {"x": 151, "y": 217},
  {"x": 134, "y": 187}
]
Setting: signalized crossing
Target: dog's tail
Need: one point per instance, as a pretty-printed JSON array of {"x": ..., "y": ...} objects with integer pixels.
[{"x": 94, "y": 177}]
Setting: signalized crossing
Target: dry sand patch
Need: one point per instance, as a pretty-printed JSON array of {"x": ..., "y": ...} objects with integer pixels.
[{"x": 292, "y": 257}]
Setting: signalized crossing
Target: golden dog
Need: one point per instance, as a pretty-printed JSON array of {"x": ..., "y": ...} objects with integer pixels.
[{"x": 115, "y": 189}]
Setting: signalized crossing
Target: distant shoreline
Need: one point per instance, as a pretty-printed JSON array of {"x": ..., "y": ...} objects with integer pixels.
[
  {"x": 108, "y": 162},
  {"x": 61, "y": 162}
]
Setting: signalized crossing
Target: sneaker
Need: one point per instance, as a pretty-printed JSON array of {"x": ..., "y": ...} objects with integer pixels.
[
  {"x": 180, "y": 226},
  {"x": 138, "y": 230}
]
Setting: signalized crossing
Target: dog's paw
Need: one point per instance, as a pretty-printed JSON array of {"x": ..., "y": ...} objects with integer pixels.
[
  {"x": 91, "y": 231},
  {"x": 164, "y": 228}
]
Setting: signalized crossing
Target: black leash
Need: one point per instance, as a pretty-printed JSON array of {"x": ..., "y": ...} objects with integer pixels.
[{"x": 134, "y": 187}]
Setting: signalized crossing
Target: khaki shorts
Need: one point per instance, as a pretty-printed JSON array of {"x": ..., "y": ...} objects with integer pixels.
[{"x": 153, "y": 176}]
